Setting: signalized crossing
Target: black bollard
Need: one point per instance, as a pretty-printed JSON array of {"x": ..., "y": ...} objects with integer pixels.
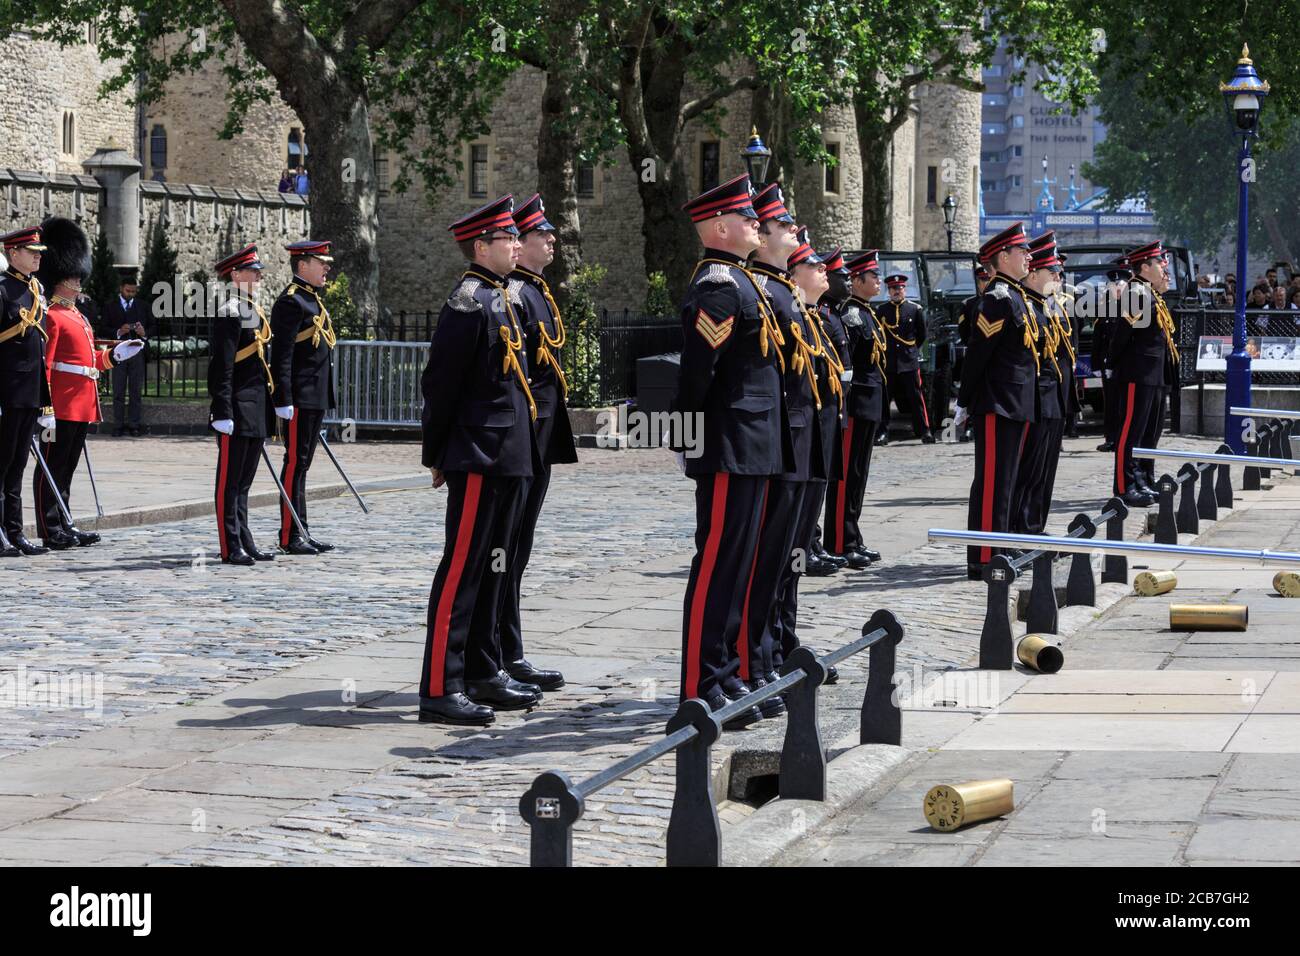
[
  {"x": 1081, "y": 586},
  {"x": 1114, "y": 567},
  {"x": 694, "y": 834},
  {"x": 1042, "y": 617},
  {"x": 1223, "y": 480},
  {"x": 803, "y": 759},
  {"x": 996, "y": 652},
  {"x": 882, "y": 718},
  {"x": 550, "y": 807},
  {"x": 1187, "y": 520},
  {"x": 1207, "y": 505},
  {"x": 1166, "y": 527}
]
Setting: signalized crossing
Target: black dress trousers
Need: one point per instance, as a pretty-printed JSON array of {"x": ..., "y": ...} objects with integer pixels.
[
  {"x": 1139, "y": 422},
  {"x": 844, "y": 497},
  {"x": 17, "y": 425},
  {"x": 773, "y": 563},
  {"x": 301, "y": 438},
  {"x": 237, "y": 457},
  {"x": 998, "y": 444},
  {"x": 62, "y": 455}
]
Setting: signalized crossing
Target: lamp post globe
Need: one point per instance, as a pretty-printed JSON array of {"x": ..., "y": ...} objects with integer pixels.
[
  {"x": 1243, "y": 94},
  {"x": 949, "y": 216},
  {"x": 756, "y": 156}
]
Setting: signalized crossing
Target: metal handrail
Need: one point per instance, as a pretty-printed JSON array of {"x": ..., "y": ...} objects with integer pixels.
[
  {"x": 1129, "y": 548},
  {"x": 553, "y": 803},
  {"x": 1216, "y": 458},
  {"x": 1263, "y": 413}
]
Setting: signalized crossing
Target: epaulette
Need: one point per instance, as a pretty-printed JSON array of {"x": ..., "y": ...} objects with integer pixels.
[
  {"x": 1000, "y": 290},
  {"x": 515, "y": 288},
  {"x": 462, "y": 298},
  {"x": 852, "y": 316},
  {"x": 761, "y": 280},
  {"x": 717, "y": 273}
]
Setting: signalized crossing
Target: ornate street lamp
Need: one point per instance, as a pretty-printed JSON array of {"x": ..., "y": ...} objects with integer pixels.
[
  {"x": 756, "y": 155},
  {"x": 1244, "y": 95},
  {"x": 949, "y": 215}
]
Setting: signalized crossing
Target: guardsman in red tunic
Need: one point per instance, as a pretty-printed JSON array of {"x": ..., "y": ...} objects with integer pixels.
[
  {"x": 239, "y": 381},
  {"x": 24, "y": 386},
  {"x": 302, "y": 359},
  {"x": 999, "y": 387},
  {"x": 479, "y": 440},
  {"x": 74, "y": 365}
]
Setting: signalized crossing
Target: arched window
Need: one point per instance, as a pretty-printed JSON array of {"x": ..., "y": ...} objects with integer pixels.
[
  {"x": 69, "y": 133},
  {"x": 158, "y": 150}
]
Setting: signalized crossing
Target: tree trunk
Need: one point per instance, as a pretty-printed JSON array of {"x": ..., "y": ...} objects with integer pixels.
[
  {"x": 873, "y": 142},
  {"x": 557, "y": 151},
  {"x": 1276, "y": 238}
]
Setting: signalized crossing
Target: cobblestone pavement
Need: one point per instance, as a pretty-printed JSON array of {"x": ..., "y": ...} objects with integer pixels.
[{"x": 265, "y": 715}]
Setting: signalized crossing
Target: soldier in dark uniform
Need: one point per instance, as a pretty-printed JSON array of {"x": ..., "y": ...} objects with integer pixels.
[
  {"x": 820, "y": 561},
  {"x": 1103, "y": 330},
  {"x": 999, "y": 387},
  {"x": 1064, "y": 297},
  {"x": 543, "y": 337},
  {"x": 864, "y": 413},
  {"x": 731, "y": 378},
  {"x": 778, "y": 539},
  {"x": 809, "y": 274},
  {"x": 904, "y": 327},
  {"x": 970, "y": 309},
  {"x": 479, "y": 440},
  {"x": 302, "y": 357},
  {"x": 240, "y": 383},
  {"x": 24, "y": 385},
  {"x": 1041, "y": 452},
  {"x": 1144, "y": 357}
]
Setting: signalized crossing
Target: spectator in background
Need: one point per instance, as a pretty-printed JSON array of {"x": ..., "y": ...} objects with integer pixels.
[
  {"x": 1258, "y": 296},
  {"x": 1295, "y": 298},
  {"x": 287, "y": 181},
  {"x": 300, "y": 182},
  {"x": 1270, "y": 276},
  {"x": 124, "y": 318},
  {"x": 1278, "y": 299},
  {"x": 1229, "y": 296}
]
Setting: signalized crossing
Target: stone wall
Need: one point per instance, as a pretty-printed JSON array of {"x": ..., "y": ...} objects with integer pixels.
[
  {"x": 48, "y": 83},
  {"x": 902, "y": 187},
  {"x": 948, "y": 140},
  {"x": 29, "y": 198}
]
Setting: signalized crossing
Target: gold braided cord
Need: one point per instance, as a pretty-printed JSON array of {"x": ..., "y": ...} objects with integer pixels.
[
  {"x": 28, "y": 318},
  {"x": 804, "y": 354},
  {"x": 322, "y": 326},
  {"x": 1049, "y": 340},
  {"x": 260, "y": 340},
  {"x": 771, "y": 330},
  {"x": 826, "y": 350},
  {"x": 514, "y": 343},
  {"x": 1167, "y": 326},
  {"x": 1064, "y": 328},
  {"x": 893, "y": 329},
  {"x": 878, "y": 343},
  {"x": 550, "y": 345}
]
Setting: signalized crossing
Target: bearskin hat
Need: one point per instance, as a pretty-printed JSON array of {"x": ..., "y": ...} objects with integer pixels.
[{"x": 67, "y": 255}]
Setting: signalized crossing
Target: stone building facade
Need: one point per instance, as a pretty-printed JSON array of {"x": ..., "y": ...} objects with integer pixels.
[{"x": 212, "y": 194}]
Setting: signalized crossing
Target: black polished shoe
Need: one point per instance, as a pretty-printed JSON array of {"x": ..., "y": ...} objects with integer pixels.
[
  {"x": 857, "y": 560},
  {"x": 927, "y": 439},
  {"x": 496, "y": 693},
  {"x": 524, "y": 672},
  {"x": 734, "y": 687},
  {"x": 240, "y": 557},
  {"x": 7, "y": 550},
  {"x": 299, "y": 546},
  {"x": 1135, "y": 498},
  {"x": 882, "y": 438},
  {"x": 718, "y": 700},
  {"x": 838, "y": 560},
  {"x": 1106, "y": 446},
  {"x": 773, "y": 706},
  {"x": 26, "y": 547},
  {"x": 455, "y": 709},
  {"x": 872, "y": 555},
  {"x": 832, "y": 675},
  {"x": 320, "y": 546},
  {"x": 258, "y": 555},
  {"x": 60, "y": 540},
  {"x": 85, "y": 538},
  {"x": 817, "y": 568}
]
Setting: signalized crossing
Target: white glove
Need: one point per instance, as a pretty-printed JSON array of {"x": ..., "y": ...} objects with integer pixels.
[
  {"x": 846, "y": 375},
  {"x": 128, "y": 349},
  {"x": 959, "y": 418},
  {"x": 1105, "y": 373},
  {"x": 45, "y": 421},
  {"x": 680, "y": 458},
  {"x": 285, "y": 412},
  {"x": 224, "y": 425}
]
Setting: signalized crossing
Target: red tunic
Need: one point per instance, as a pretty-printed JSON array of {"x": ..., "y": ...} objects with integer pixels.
[{"x": 72, "y": 341}]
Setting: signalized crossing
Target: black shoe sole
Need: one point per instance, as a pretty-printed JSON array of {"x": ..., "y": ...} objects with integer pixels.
[
  {"x": 429, "y": 718},
  {"x": 552, "y": 685},
  {"x": 521, "y": 705}
]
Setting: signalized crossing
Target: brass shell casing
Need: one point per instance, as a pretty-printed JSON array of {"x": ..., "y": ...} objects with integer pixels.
[
  {"x": 1151, "y": 583},
  {"x": 1287, "y": 583},
  {"x": 948, "y": 807},
  {"x": 1208, "y": 617},
  {"x": 1037, "y": 653}
]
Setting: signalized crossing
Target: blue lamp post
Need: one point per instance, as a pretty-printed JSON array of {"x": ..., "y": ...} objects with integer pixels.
[{"x": 1244, "y": 94}]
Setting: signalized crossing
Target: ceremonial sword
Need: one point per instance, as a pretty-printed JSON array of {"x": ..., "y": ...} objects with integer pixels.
[
  {"x": 284, "y": 495},
  {"x": 90, "y": 473},
  {"x": 63, "y": 508},
  {"x": 351, "y": 487}
]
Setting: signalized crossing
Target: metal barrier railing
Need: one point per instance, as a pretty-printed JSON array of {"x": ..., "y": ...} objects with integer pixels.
[
  {"x": 378, "y": 383},
  {"x": 1140, "y": 549},
  {"x": 553, "y": 804}
]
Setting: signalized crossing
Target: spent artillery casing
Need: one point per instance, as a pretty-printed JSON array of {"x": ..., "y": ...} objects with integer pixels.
[
  {"x": 1287, "y": 583},
  {"x": 948, "y": 807},
  {"x": 1039, "y": 654},
  {"x": 1208, "y": 617},
  {"x": 1151, "y": 583}
]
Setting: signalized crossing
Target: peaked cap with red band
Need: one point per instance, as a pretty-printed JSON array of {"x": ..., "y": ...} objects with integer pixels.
[
  {"x": 1151, "y": 250},
  {"x": 496, "y": 216},
  {"x": 864, "y": 263},
  {"x": 23, "y": 239},
  {"x": 245, "y": 258},
  {"x": 770, "y": 204},
  {"x": 319, "y": 248},
  {"x": 733, "y": 196},
  {"x": 834, "y": 261},
  {"x": 1008, "y": 238},
  {"x": 532, "y": 215},
  {"x": 804, "y": 255}
]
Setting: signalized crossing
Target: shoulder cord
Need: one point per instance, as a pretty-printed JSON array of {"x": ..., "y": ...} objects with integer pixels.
[
  {"x": 514, "y": 343},
  {"x": 893, "y": 329},
  {"x": 322, "y": 326},
  {"x": 545, "y": 355},
  {"x": 771, "y": 330},
  {"x": 826, "y": 350}
]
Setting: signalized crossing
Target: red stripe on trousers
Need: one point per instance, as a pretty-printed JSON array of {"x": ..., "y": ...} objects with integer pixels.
[
  {"x": 842, "y": 489},
  {"x": 920, "y": 393},
  {"x": 442, "y": 616},
  {"x": 1123, "y": 438},
  {"x": 223, "y": 465},
  {"x": 40, "y": 496},
  {"x": 990, "y": 470},
  {"x": 700, "y": 597},
  {"x": 286, "y": 522},
  {"x": 742, "y": 642}
]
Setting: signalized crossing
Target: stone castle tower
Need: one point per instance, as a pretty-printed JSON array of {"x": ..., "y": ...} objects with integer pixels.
[{"x": 212, "y": 193}]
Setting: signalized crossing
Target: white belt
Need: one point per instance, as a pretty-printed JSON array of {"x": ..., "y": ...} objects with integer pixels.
[{"x": 86, "y": 370}]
